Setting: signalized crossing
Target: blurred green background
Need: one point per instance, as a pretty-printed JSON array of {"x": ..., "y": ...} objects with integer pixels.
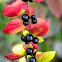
[{"x": 53, "y": 40}]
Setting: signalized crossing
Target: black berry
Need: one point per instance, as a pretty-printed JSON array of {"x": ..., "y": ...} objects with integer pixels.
[
  {"x": 23, "y": 38},
  {"x": 32, "y": 59},
  {"x": 29, "y": 51},
  {"x": 34, "y": 54},
  {"x": 25, "y": 17},
  {"x": 25, "y": 0},
  {"x": 33, "y": 16},
  {"x": 31, "y": 0},
  {"x": 26, "y": 42},
  {"x": 34, "y": 21},
  {"x": 29, "y": 37},
  {"x": 35, "y": 40},
  {"x": 25, "y": 23}
]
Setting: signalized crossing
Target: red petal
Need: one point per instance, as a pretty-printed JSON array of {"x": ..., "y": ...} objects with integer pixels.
[
  {"x": 45, "y": 29},
  {"x": 35, "y": 46},
  {"x": 31, "y": 26},
  {"x": 12, "y": 56},
  {"x": 14, "y": 26},
  {"x": 15, "y": 9},
  {"x": 38, "y": 0},
  {"x": 24, "y": 5},
  {"x": 16, "y": 55},
  {"x": 30, "y": 10},
  {"x": 40, "y": 28}
]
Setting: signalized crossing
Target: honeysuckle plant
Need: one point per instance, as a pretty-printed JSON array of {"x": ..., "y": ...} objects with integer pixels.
[{"x": 32, "y": 28}]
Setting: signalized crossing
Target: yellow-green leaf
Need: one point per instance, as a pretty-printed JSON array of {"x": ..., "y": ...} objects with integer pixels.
[
  {"x": 40, "y": 39},
  {"x": 45, "y": 56},
  {"x": 38, "y": 52},
  {"x": 16, "y": 55},
  {"x": 25, "y": 32},
  {"x": 29, "y": 56},
  {"x": 30, "y": 46}
]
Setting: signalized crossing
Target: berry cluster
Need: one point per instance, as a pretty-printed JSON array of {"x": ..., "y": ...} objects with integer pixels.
[
  {"x": 25, "y": 19},
  {"x": 34, "y": 20},
  {"x": 29, "y": 38},
  {"x": 30, "y": 52},
  {"x": 28, "y": 0}
]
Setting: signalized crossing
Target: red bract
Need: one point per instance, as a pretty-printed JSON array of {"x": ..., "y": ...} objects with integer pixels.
[
  {"x": 14, "y": 26},
  {"x": 15, "y": 9},
  {"x": 41, "y": 28},
  {"x": 12, "y": 56},
  {"x": 16, "y": 55},
  {"x": 31, "y": 44},
  {"x": 29, "y": 10},
  {"x": 38, "y": 0}
]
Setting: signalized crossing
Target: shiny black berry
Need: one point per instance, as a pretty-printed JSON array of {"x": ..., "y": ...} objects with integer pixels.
[
  {"x": 23, "y": 38},
  {"x": 32, "y": 59},
  {"x": 34, "y": 54},
  {"x": 35, "y": 40},
  {"x": 34, "y": 21},
  {"x": 25, "y": 17},
  {"x": 29, "y": 51},
  {"x": 25, "y": 0},
  {"x": 29, "y": 38},
  {"x": 26, "y": 42},
  {"x": 33, "y": 16},
  {"x": 31, "y": 0},
  {"x": 25, "y": 23}
]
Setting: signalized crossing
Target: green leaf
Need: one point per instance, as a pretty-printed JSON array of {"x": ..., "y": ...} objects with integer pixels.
[
  {"x": 29, "y": 56},
  {"x": 40, "y": 39},
  {"x": 23, "y": 59},
  {"x": 21, "y": 52},
  {"x": 45, "y": 56},
  {"x": 30, "y": 46},
  {"x": 38, "y": 52},
  {"x": 25, "y": 32}
]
